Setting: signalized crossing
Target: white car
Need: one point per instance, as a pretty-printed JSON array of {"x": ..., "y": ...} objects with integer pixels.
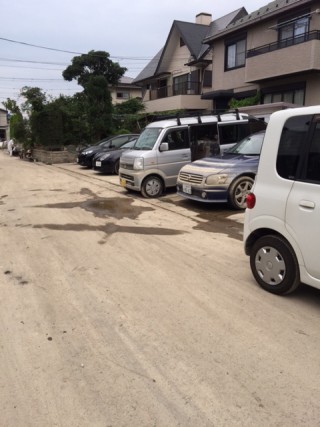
[{"x": 282, "y": 219}]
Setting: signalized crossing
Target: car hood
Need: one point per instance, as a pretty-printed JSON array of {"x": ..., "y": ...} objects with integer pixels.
[
  {"x": 224, "y": 162},
  {"x": 92, "y": 148},
  {"x": 112, "y": 151}
]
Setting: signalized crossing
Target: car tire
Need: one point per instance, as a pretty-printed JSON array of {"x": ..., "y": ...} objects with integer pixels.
[
  {"x": 152, "y": 187},
  {"x": 238, "y": 192},
  {"x": 116, "y": 167},
  {"x": 274, "y": 265}
]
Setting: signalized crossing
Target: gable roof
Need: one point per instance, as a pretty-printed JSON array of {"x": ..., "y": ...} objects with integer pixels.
[
  {"x": 265, "y": 12},
  {"x": 224, "y": 22},
  {"x": 193, "y": 36},
  {"x": 150, "y": 69}
]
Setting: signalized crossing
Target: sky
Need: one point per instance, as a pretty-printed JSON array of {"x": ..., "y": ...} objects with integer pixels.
[{"x": 131, "y": 31}]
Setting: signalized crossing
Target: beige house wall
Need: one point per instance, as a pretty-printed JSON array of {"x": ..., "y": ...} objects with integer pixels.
[
  {"x": 178, "y": 102},
  {"x": 226, "y": 80},
  {"x": 177, "y": 58},
  {"x": 133, "y": 93},
  {"x": 294, "y": 59}
]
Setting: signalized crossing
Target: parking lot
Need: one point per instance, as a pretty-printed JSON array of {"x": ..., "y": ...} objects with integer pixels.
[{"x": 123, "y": 311}]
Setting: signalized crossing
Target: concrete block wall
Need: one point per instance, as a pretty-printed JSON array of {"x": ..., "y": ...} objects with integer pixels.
[{"x": 53, "y": 157}]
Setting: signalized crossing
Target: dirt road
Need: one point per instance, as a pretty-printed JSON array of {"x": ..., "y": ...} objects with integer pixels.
[{"x": 117, "y": 311}]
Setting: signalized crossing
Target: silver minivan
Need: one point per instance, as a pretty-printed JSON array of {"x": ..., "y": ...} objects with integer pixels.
[{"x": 165, "y": 146}]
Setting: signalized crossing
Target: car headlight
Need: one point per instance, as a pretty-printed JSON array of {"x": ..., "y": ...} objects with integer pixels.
[
  {"x": 105, "y": 156},
  {"x": 88, "y": 152},
  {"x": 216, "y": 179},
  {"x": 138, "y": 163}
]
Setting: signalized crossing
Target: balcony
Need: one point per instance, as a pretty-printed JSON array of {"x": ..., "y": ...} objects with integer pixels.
[
  {"x": 281, "y": 44},
  {"x": 185, "y": 88},
  {"x": 291, "y": 56}
]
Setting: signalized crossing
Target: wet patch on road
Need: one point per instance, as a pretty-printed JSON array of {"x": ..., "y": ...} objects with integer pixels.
[
  {"x": 100, "y": 207},
  {"x": 214, "y": 218},
  {"x": 110, "y": 229}
]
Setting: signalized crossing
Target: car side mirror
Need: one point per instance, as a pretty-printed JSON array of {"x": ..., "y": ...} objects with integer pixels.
[{"x": 164, "y": 146}]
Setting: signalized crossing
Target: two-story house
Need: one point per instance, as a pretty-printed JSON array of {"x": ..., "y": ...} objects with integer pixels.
[
  {"x": 273, "y": 52},
  {"x": 182, "y": 70}
]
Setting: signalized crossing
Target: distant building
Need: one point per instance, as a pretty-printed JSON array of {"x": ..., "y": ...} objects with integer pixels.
[
  {"x": 4, "y": 125},
  {"x": 125, "y": 90}
]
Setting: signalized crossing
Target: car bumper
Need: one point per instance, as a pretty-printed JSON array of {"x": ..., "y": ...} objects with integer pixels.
[
  {"x": 104, "y": 168},
  {"x": 205, "y": 195}
]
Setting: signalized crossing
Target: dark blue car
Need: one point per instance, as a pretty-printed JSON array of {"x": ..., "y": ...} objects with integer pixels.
[
  {"x": 108, "y": 161},
  {"x": 85, "y": 157},
  {"x": 227, "y": 177}
]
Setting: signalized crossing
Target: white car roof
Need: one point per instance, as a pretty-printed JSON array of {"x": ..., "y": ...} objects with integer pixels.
[{"x": 227, "y": 117}]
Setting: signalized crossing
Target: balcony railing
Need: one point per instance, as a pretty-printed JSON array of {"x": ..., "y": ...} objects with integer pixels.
[
  {"x": 281, "y": 44},
  {"x": 185, "y": 88}
]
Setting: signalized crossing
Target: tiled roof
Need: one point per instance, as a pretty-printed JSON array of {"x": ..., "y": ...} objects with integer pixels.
[
  {"x": 227, "y": 20},
  {"x": 150, "y": 69},
  {"x": 264, "y": 12}
]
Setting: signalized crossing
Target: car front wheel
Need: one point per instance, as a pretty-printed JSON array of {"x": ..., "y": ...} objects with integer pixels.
[
  {"x": 239, "y": 190},
  {"x": 274, "y": 265},
  {"x": 116, "y": 167},
  {"x": 152, "y": 187}
]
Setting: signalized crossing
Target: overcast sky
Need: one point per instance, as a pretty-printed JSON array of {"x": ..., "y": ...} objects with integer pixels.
[{"x": 131, "y": 31}]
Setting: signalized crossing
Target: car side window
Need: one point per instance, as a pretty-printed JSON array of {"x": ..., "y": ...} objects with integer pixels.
[
  {"x": 177, "y": 139},
  {"x": 313, "y": 157},
  {"x": 293, "y": 139},
  {"x": 204, "y": 141},
  {"x": 228, "y": 134}
]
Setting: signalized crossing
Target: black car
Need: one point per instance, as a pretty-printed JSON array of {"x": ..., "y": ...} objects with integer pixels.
[
  {"x": 86, "y": 155},
  {"x": 108, "y": 161}
]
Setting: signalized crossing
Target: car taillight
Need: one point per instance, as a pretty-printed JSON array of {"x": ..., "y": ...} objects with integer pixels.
[{"x": 251, "y": 200}]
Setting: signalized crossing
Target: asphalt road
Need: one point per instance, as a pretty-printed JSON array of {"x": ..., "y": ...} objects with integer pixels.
[{"x": 120, "y": 311}]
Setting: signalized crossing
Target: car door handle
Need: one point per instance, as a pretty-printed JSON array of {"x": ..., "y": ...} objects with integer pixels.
[{"x": 307, "y": 204}]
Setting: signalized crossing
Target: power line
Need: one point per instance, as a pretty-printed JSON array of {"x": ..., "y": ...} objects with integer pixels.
[{"x": 70, "y": 51}]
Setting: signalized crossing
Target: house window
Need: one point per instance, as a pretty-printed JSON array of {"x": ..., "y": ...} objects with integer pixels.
[
  {"x": 294, "y": 96},
  {"x": 207, "y": 78},
  {"x": 182, "y": 43},
  {"x": 122, "y": 95},
  {"x": 235, "y": 54},
  {"x": 180, "y": 84},
  {"x": 294, "y": 28}
]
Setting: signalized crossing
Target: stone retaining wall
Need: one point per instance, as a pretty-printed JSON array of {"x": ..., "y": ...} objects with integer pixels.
[{"x": 52, "y": 157}]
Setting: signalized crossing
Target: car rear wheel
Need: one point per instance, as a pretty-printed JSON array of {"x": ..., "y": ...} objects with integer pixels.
[
  {"x": 239, "y": 190},
  {"x": 274, "y": 265},
  {"x": 152, "y": 187},
  {"x": 116, "y": 167}
]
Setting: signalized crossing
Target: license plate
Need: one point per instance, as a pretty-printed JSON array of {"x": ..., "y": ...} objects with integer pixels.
[
  {"x": 122, "y": 182},
  {"x": 98, "y": 164},
  {"x": 186, "y": 188}
]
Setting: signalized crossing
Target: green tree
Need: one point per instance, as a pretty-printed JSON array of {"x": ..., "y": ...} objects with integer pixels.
[
  {"x": 96, "y": 73},
  {"x": 35, "y": 99},
  {"x": 127, "y": 115},
  {"x": 18, "y": 125}
]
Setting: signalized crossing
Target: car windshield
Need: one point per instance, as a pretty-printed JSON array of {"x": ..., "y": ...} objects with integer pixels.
[
  {"x": 249, "y": 146},
  {"x": 129, "y": 144},
  {"x": 147, "y": 139},
  {"x": 102, "y": 141}
]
